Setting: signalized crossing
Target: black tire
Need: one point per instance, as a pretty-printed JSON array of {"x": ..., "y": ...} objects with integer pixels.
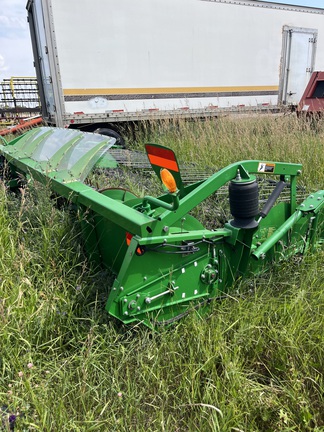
[{"x": 111, "y": 133}]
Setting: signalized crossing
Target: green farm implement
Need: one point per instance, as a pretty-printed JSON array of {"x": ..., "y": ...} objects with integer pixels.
[{"x": 165, "y": 261}]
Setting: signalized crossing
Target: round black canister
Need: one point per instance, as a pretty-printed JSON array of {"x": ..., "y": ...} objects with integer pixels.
[{"x": 244, "y": 203}]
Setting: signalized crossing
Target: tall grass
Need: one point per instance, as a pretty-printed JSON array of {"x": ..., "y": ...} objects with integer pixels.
[
  {"x": 250, "y": 363},
  {"x": 221, "y": 141}
]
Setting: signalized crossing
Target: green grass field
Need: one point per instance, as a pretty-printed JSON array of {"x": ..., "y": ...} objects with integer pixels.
[{"x": 251, "y": 363}]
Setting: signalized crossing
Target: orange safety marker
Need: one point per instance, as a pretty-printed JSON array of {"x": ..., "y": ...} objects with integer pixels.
[{"x": 162, "y": 157}]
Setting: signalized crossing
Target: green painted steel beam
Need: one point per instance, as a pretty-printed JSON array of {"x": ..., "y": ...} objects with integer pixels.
[
  {"x": 180, "y": 236},
  {"x": 126, "y": 217},
  {"x": 261, "y": 251},
  {"x": 219, "y": 179},
  {"x": 313, "y": 203}
]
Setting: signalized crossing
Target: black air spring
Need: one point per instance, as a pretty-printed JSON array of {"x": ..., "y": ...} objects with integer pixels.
[{"x": 244, "y": 202}]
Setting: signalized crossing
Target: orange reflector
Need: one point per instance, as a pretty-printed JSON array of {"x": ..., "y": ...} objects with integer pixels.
[
  {"x": 162, "y": 162},
  {"x": 168, "y": 180},
  {"x": 162, "y": 157},
  {"x": 129, "y": 237},
  {"x": 140, "y": 250}
]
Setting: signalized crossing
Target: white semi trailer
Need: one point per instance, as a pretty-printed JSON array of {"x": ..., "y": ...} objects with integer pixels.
[{"x": 101, "y": 63}]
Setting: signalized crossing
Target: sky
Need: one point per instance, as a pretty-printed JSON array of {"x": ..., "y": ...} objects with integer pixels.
[{"x": 15, "y": 48}]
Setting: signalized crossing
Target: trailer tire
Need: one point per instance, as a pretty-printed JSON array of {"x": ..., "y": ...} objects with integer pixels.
[{"x": 111, "y": 133}]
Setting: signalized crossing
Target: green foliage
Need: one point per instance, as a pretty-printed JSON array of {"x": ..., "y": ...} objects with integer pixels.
[{"x": 252, "y": 362}]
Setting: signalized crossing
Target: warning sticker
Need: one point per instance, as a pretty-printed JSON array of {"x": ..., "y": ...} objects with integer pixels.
[{"x": 265, "y": 167}]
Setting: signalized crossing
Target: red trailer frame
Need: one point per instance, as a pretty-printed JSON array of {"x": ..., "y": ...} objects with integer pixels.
[{"x": 312, "y": 101}]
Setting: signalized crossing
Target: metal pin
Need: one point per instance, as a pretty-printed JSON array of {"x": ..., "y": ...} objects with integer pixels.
[{"x": 148, "y": 300}]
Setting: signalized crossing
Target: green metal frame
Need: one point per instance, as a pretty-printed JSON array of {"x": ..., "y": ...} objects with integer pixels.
[{"x": 172, "y": 263}]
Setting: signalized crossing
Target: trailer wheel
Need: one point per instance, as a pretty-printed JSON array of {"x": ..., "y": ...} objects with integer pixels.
[{"x": 111, "y": 133}]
